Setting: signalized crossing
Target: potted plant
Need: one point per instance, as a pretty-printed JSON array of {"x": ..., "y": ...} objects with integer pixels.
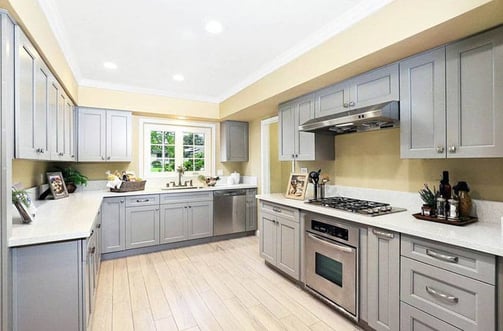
[
  {"x": 429, "y": 198},
  {"x": 72, "y": 178}
]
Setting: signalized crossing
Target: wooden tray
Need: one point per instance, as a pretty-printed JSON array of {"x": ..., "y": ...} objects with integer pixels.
[
  {"x": 130, "y": 186},
  {"x": 446, "y": 220}
]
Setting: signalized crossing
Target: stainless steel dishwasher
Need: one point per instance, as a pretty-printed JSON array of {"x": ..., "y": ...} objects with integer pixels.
[{"x": 229, "y": 211}]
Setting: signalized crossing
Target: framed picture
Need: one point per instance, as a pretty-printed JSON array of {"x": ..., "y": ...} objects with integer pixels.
[
  {"x": 297, "y": 186},
  {"x": 57, "y": 185}
]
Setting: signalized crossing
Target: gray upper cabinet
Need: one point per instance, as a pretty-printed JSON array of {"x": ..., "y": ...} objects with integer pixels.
[
  {"x": 422, "y": 105},
  {"x": 234, "y": 141},
  {"x": 450, "y": 100},
  {"x": 474, "y": 99},
  {"x": 31, "y": 101},
  {"x": 297, "y": 145},
  {"x": 374, "y": 87},
  {"x": 61, "y": 124},
  {"x": 383, "y": 279},
  {"x": 44, "y": 120},
  {"x": 104, "y": 135}
]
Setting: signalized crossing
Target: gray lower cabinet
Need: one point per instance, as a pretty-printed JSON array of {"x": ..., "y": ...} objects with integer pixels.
[
  {"x": 142, "y": 226},
  {"x": 414, "y": 319},
  {"x": 448, "y": 285},
  {"x": 383, "y": 279},
  {"x": 251, "y": 210},
  {"x": 186, "y": 216},
  {"x": 280, "y": 238},
  {"x": 54, "y": 284},
  {"x": 113, "y": 224}
]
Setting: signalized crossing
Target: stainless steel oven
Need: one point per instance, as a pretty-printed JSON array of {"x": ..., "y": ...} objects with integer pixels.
[{"x": 331, "y": 261}]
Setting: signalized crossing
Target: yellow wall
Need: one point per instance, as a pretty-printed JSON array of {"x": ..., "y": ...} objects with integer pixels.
[
  {"x": 153, "y": 105},
  {"x": 372, "y": 159}
]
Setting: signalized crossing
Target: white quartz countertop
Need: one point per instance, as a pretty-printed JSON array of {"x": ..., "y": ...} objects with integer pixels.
[
  {"x": 480, "y": 236},
  {"x": 73, "y": 217}
]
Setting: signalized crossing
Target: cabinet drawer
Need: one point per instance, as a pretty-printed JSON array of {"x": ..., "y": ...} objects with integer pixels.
[
  {"x": 186, "y": 197},
  {"x": 283, "y": 211},
  {"x": 142, "y": 200},
  {"x": 462, "y": 261},
  {"x": 461, "y": 301},
  {"x": 412, "y": 319}
]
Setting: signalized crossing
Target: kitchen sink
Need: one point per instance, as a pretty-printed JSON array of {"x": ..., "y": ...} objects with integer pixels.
[{"x": 176, "y": 188}]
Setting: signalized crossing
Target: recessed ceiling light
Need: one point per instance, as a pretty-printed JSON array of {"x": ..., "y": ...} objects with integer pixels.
[
  {"x": 109, "y": 65},
  {"x": 214, "y": 27},
  {"x": 178, "y": 77}
]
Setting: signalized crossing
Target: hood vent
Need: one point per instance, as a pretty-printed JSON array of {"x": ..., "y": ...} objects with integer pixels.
[{"x": 384, "y": 115}]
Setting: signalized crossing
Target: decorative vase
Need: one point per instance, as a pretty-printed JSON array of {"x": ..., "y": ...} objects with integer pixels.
[
  {"x": 465, "y": 204},
  {"x": 71, "y": 187}
]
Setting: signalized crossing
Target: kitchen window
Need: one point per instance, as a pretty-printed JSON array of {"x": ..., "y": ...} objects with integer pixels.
[{"x": 168, "y": 145}]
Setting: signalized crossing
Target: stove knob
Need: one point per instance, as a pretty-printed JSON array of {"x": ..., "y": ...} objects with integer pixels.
[
  {"x": 376, "y": 209},
  {"x": 370, "y": 211},
  {"x": 383, "y": 209},
  {"x": 388, "y": 208}
]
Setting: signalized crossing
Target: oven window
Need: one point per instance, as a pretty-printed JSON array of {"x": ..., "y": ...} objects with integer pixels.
[{"x": 329, "y": 269}]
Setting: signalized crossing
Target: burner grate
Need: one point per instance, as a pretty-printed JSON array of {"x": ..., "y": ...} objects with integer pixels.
[{"x": 371, "y": 208}]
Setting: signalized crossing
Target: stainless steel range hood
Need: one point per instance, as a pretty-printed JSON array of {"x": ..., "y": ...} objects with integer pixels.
[{"x": 384, "y": 115}]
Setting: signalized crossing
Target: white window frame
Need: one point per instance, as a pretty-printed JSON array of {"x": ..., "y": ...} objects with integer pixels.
[{"x": 147, "y": 124}]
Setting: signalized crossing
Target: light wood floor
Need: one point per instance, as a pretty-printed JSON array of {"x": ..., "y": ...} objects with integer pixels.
[{"x": 217, "y": 286}]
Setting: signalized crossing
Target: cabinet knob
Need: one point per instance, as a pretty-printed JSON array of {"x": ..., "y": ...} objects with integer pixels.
[
  {"x": 122, "y": 201},
  {"x": 102, "y": 157},
  {"x": 73, "y": 156},
  {"x": 60, "y": 154},
  {"x": 345, "y": 105},
  {"x": 98, "y": 226},
  {"x": 352, "y": 104},
  {"x": 452, "y": 149},
  {"x": 440, "y": 149},
  {"x": 108, "y": 158}
]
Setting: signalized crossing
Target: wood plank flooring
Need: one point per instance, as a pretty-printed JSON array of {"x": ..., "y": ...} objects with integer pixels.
[{"x": 217, "y": 286}]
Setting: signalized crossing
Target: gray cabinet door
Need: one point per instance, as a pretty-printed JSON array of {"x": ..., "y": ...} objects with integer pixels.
[
  {"x": 474, "y": 98},
  {"x": 200, "y": 219},
  {"x": 383, "y": 279},
  {"x": 288, "y": 246},
  {"x": 234, "y": 141},
  {"x": 332, "y": 100},
  {"x": 268, "y": 237},
  {"x": 173, "y": 225},
  {"x": 55, "y": 123},
  {"x": 142, "y": 226},
  {"x": 287, "y": 132},
  {"x": 118, "y": 136},
  {"x": 47, "y": 287},
  {"x": 69, "y": 133},
  {"x": 412, "y": 319},
  {"x": 304, "y": 140},
  {"x": 91, "y": 135},
  {"x": 422, "y": 105},
  {"x": 113, "y": 217},
  {"x": 374, "y": 87},
  {"x": 251, "y": 210},
  {"x": 29, "y": 117}
]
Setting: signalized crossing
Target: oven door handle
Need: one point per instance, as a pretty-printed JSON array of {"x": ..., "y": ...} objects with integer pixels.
[{"x": 330, "y": 243}]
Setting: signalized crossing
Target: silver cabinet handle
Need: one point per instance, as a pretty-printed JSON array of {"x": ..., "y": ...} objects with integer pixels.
[
  {"x": 98, "y": 226},
  {"x": 351, "y": 104},
  {"x": 443, "y": 257},
  {"x": 385, "y": 235},
  {"x": 122, "y": 201},
  {"x": 142, "y": 200},
  {"x": 102, "y": 157},
  {"x": 436, "y": 293},
  {"x": 440, "y": 149},
  {"x": 276, "y": 209},
  {"x": 452, "y": 149},
  {"x": 345, "y": 105},
  {"x": 329, "y": 243}
]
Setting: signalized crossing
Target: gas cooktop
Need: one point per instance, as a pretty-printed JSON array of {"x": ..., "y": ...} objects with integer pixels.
[{"x": 364, "y": 207}]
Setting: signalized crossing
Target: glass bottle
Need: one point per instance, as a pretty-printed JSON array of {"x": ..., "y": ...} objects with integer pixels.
[
  {"x": 465, "y": 205},
  {"x": 444, "y": 187}
]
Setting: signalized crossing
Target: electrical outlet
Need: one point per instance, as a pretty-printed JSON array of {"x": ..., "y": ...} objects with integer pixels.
[{"x": 303, "y": 170}]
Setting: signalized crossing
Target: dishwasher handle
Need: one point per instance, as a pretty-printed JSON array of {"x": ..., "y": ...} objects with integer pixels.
[{"x": 229, "y": 193}]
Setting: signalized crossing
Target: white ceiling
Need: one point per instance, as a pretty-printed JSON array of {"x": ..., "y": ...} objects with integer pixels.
[{"x": 152, "y": 40}]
